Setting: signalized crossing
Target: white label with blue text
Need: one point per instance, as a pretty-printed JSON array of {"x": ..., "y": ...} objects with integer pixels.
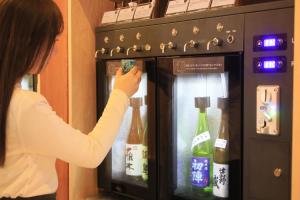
[{"x": 200, "y": 138}]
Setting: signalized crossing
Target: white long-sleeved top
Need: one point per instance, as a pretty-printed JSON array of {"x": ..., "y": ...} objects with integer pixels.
[{"x": 36, "y": 136}]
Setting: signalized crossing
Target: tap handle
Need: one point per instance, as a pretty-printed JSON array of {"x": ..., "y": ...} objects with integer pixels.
[
  {"x": 162, "y": 47},
  {"x": 96, "y": 54},
  {"x": 128, "y": 50},
  {"x": 185, "y": 46},
  {"x": 120, "y": 49},
  {"x": 215, "y": 41},
  {"x": 172, "y": 45},
  {"x": 112, "y": 51}
]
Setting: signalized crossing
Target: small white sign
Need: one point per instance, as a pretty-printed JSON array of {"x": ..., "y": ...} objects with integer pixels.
[
  {"x": 218, "y": 3},
  {"x": 126, "y": 14},
  {"x": 144, "y": 11},
  {"x": 198, "y": 5},
  {"x": 110, "y": 16},
  {"x": 221, "y": 143},
  {"x": 177, "y": 6}
]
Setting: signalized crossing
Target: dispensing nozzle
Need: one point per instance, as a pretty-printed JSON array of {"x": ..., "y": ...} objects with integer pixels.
[
  {"x": 215, "y": 41},
  {"x": 191, "y": 44}
]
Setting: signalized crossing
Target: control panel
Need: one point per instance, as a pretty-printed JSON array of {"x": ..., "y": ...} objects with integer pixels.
[
  {"x": 268, "y": 89},
  {"x": 201, "y": 36}
]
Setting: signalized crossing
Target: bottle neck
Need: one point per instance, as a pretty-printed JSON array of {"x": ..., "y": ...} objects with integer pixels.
[
  {"x": 202, "y": 122},
  {"x": 224, "y": 127},
  {"x": 136, "y": 119}
]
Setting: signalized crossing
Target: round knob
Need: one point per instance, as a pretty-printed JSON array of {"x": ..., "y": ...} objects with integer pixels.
[
  {"x": 137, "y": 48},
  {"x": 280, "y": 41},
  {"x": 147, "y": 47},
  {"x": 162, "y": 46},
  {"x": 104, "y": 51},
  {"x": 259, "y": 43},
  {"x": 196, "y": 30},
  {"x": 174, "y": 32},
  {"x": 172, "y": 45},
  {"x": 220, "y": 27},
  {"x": 122, "y": 38},
  {"x": 230, "y": 39},
  {"x": 138, "y": 36},
  {"x": 279, "y": 63},
  {"x": 277, "y": 172},
  {"x": 194, "y": 44},
  {"x": 106, "y": 39},
  {"x": 120, "y": 49},
  {"x": 259, "y": 64},
  {"x": 217, "y": 41}
]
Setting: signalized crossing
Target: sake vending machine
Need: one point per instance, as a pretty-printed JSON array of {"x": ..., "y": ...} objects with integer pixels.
[{"x": 214, "y": 108}]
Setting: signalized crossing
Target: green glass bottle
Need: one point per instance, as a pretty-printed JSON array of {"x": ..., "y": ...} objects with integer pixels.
[
  {"x": 201, "y": 161},
  {"x": 221, "y": 154}
]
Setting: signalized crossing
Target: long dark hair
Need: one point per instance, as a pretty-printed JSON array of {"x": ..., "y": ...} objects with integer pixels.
[{"x": 28, "y": 30}]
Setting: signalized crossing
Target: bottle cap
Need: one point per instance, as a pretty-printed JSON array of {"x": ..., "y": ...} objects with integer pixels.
[
  {"x": 136, "y": 101},
  {"x": 223, "y": 103},
  {"x": 202, "y": 103}
]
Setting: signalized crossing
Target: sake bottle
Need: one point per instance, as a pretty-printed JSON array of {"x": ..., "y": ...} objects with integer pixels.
[
  {"x": 221, "y": 154},
  {"x": 134, "y": 143},
  {"x": 201, "y": 161},
  {"x": 145, "y": 148}
]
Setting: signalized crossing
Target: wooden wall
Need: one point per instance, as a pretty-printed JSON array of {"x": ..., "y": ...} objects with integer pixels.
[
  {"x": 54, "y": 86},
  {"x": 296, "y": 112},
  {"x": 84, "y": 16}
]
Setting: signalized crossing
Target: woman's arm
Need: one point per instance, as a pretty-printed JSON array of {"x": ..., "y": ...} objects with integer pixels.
[{"x": 43, "y": 132}]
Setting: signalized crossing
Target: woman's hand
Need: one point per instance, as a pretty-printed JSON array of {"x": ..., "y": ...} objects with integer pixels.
[{"x": 128, "y": 83}]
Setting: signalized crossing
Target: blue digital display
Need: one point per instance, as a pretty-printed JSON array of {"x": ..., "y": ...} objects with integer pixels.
[
  {"x": 269, "y": 64},
  {"x": 274, "y": 64},
  {"x": 270, "y": 42}
]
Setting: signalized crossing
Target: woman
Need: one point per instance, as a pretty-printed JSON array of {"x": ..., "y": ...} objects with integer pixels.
[{"x": 32, "y": 136}]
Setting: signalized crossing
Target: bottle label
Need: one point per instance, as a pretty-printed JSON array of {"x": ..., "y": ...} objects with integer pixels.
[
  {"x": 221, "y": 180},
  {"x": 200, "y": 167},
  {"x": 200, "y": 138},
  {"x": 145, "y": 163},
  {"x": 221, "y": 143},
  {"x": 134, "y": 159}
]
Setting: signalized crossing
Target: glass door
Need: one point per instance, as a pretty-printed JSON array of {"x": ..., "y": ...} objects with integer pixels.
[
  {"x": 130, "y": 168},
  {"x": 200, "y": 130}
]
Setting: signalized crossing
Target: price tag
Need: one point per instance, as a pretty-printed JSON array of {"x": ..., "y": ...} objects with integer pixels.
[
  {"x": 177, "y": 6},
  {"x": 110, "y": 17},
  {"x": 144, "y": 11},
  {"x": 221, "y": 143},
  {"x": 126, "y": 14},
  {"x": 218, "y": 3},
  {"x": 198, "y": 5}
]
